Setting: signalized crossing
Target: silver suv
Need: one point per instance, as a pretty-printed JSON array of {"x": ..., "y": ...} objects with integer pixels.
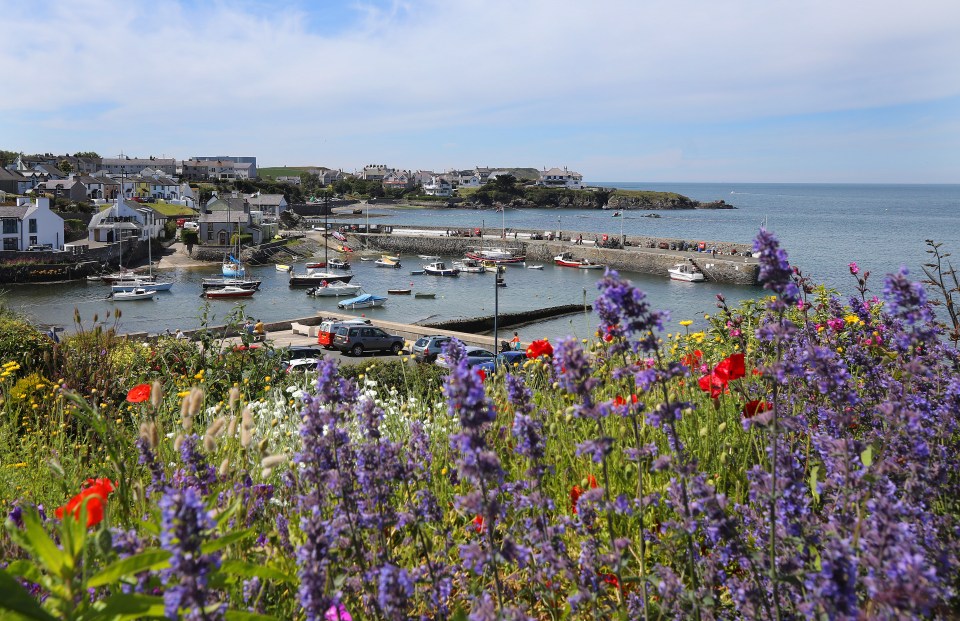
[
  {"x": 358, "y": 339},
  {"x": 427, "y": 347}
]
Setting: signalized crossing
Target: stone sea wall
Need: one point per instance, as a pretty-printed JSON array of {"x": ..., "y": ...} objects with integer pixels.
[{"x": 739, "y": 269}]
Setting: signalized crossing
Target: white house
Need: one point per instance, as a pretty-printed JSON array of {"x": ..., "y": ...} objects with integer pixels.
[
  {"x": 438, "y": 186},
  {"x": 270, "y": 204},
  {"x": 561, "y": 178},
  {"x": 468, "y": 179},
  {"x": 117, "y": 222},
  {"x": 30, "y": 224}
]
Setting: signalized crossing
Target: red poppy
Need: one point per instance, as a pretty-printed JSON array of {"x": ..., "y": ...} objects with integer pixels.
[
  {"x": 692, "y": 359},
  {"x": 575, "y": 493},
  {"x": 482, "y": 374},
  {"x": 94, "y": 498},
  {"x": 731, "y": 368},
  {"x": 539, "y": 348},
  {"x": 478, "y": 523},
  {"x": 713, "y": 384},
  {"x": 591, "y": 481},
  {"x": 752, "y": 408},
  {"x": 610, "y": 579},
  {"x": 139, "y": 393}
]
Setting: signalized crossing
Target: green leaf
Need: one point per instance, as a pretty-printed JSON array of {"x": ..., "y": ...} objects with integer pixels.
[
  {"x": 867, "y": 456},
  {"x": 252, "y": 570},
  {"x": 26, "y": 570},
  {"x": 222, "y": 542},
  {"x": 40, "y": 543},
  {"x": 814, "y": 471},
  {"x": 129, "y": 607},
  {"x": 243, "y": 615},
  {"x": 147, "y": 560},
  {"x": 16, "y": 599}
]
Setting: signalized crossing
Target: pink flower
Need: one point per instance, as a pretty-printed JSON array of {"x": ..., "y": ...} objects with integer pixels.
[
  {"x": 337, "y": 612},
  {"x": 854, "y": 268}
]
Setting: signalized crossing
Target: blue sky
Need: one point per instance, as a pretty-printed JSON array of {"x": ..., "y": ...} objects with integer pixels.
[{"x": 619, "y": 90}]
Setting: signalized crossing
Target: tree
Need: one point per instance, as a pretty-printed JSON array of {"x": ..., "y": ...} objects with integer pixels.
[
  {"x": 505, "y": 183},
  {"x": 92, "y": 154},
  {"x": 65, "y": 166},
  {"x": 189, "y": 238}
]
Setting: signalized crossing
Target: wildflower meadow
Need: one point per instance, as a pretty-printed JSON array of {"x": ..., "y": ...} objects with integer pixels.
[{"x": 795, "y": 458}]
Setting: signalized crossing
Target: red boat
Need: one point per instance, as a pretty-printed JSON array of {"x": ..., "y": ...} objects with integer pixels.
[
  {"x": 316, "y": 264},
  {"x": 566, "y": 259},
  {"x": 229, "y": 292}
]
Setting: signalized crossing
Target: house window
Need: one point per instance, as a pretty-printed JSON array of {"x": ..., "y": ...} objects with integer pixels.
[
  {"x": 9, "y": 226},
  {"x": 210, "y": 234},
  {"x": 10, "y": 243},
  {"x": 33, "y": 240},
  {"x": 32, "y": 222}
]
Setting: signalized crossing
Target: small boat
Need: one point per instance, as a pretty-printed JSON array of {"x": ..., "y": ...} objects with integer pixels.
[
  {"x": 399, "y": 291},
  {"x": 125, "y": 286},
  {"x": 429, "y": 257},
  {"x": 233, "y": 268},
  {"x": 338, "y": 264},
  {"x": 367, "y": 300},
  {"x": 219, "y": 283},
  {"x": 425, "y": 296},
  {"x": 439, "y": 268},
  {"x": 228, "y": 292},
  {"x": 134, "y": 294},
  {"x": 316, "y": 265},
  {"x": 390, "y": 257},
  {"x": 344, "y": 249},
  {"x": 417, "y": 272},
  {"x": 385, "y": 262},
  {"x": 333, "y": 289},
  {"x": 283, "y": 268},
  {"x": 566, "y": 259},
  {"x": 367, "y": 258},
  {"x": 686, "y": 272},
  {"x": 616, "y": 214},
  {"x": 534, "y": 267},
  {"x": 313, "y": 278},
  {"x": 470, "y": 266}
]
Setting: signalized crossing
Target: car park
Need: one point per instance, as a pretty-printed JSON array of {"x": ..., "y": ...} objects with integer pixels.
[
  {"x": 475, "y": 356},
  {"x": 426, "y": 348},
  {"x": 359, "y": 339}
]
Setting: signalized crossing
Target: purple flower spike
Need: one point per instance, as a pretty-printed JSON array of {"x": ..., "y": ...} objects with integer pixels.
[
  {"x": 775, "y": 271},
  {"x": 337, "y": 612}
]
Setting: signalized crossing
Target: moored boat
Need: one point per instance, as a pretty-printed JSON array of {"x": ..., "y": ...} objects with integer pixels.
[
  {"x": 439, "y": 268},
  {"x": 313, "y": 265},
  {"x": 387, "y": 262},
  {"x": 399, "y": 291},
  {"x": 429, "y": 257},
  {"x": 313, "y": 278},
  {"x": 534, "y": 267},
  {"x": 219, "y": 283},
  {"x": 333, "y": 289},
  {"x": 566, "y": 259},
  {"x": 686, "y": 272},
  {"x": 497, "y": 255},
  {"x": 338, "y": 264},
  {"x": 470, "y": 266},
  {"x": 367, "y": 300},
  {"x": 424, "y": 296},
  {"x": 228, "y": 292},
  {"x": 134, "y": 294},
  {"x": 283, "y": 268},
  {"x": 125, "y": 286}
]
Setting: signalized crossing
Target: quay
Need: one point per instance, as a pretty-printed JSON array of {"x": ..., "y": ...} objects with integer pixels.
[{"x": 733, "y": 262}]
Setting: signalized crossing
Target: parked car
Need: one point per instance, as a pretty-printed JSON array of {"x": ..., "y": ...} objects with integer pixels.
[
  {"x": 358, "y": 339},
  {"x": 301, "y": 364},
  {"x": 475, "y": 355},
  {"x": 328, "y": 329},
  {"x": 505, "y": 360},
  {"x": 297, "y": 352},
  {"x": 427, "y": 347}
]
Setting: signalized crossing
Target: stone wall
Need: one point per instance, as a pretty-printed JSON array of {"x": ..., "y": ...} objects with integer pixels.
[{"x": 725, "y": 268}]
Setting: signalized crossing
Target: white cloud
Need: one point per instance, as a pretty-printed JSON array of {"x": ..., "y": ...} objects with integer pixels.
[{"x": 199, "y": 76}]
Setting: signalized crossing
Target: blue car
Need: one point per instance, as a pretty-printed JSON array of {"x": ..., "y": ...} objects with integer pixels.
[{"x": 505, "y": 359}]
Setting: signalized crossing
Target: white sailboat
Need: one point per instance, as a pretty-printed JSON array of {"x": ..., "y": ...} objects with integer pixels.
[{"x": 148, "y": 282}]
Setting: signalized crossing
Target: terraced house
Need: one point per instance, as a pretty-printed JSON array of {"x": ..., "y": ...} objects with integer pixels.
[{"x": 30, "y": 223}]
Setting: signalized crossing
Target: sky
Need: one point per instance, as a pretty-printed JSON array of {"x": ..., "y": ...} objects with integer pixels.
[{"x": 807, "y": 91}]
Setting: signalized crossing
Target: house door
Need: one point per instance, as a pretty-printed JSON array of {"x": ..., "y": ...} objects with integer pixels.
[{"x": 222, "y": 238}]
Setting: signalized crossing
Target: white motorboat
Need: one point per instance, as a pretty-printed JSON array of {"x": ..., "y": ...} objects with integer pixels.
[
  {"x": 134, "y": 294},
  {"x": 219, "y": 283},
  {"x": 314, "y": 277},
  {"x": 338, "y": 264},
  {"x": 439, "y": 268},
  {"x": 366, "y": 300},
  {"x": 566, "y": 259},
  {"x": 470, "y": 266},
  {"x": 229, "y": 292},
  {"x": 534, "y": 267},
  {"x": 686, "y": 272},
  {"x": 333, "y": 289},
  {"x": 429, "y": 257},
  {"x": 387, "y": 262},
  {"x": 498, "y": 255}
]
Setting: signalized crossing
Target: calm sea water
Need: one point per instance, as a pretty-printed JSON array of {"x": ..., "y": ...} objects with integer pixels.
[{"x": 822, "y": 227}]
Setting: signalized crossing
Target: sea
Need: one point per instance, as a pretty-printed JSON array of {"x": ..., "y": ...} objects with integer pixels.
[{"x": 823, "y": 228}]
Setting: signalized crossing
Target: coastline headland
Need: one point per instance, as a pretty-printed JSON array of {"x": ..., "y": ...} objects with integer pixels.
[{"x": 732, "y": 264}]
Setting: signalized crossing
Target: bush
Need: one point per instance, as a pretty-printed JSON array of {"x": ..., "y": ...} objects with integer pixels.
[{"x": 22, "y": 343}]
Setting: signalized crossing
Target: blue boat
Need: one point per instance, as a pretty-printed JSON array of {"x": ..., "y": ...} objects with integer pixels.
[{"x": 367, "y": 300}]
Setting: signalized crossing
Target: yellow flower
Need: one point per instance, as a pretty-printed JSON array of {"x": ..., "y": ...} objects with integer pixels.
[
  {"x": 687, "y": 322},
  {"x": 199, "y": 374},
  {"x": 266, "y": 379},
  {"x": 839, "y": 350}
]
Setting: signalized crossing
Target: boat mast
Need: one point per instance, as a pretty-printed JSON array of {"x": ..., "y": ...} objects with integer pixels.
[{"x": 326, "y": 227}]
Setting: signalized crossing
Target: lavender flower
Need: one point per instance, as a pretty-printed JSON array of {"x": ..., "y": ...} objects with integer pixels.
[
  {"x": 775, "y": 272},
  {"x": 624, "y": 312}
]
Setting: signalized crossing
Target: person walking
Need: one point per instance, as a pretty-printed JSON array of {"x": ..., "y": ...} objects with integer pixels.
[{"x": 515, "y": 341}]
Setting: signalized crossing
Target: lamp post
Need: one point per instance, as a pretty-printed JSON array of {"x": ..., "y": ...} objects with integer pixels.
[{"x": 496, "y": 308}]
